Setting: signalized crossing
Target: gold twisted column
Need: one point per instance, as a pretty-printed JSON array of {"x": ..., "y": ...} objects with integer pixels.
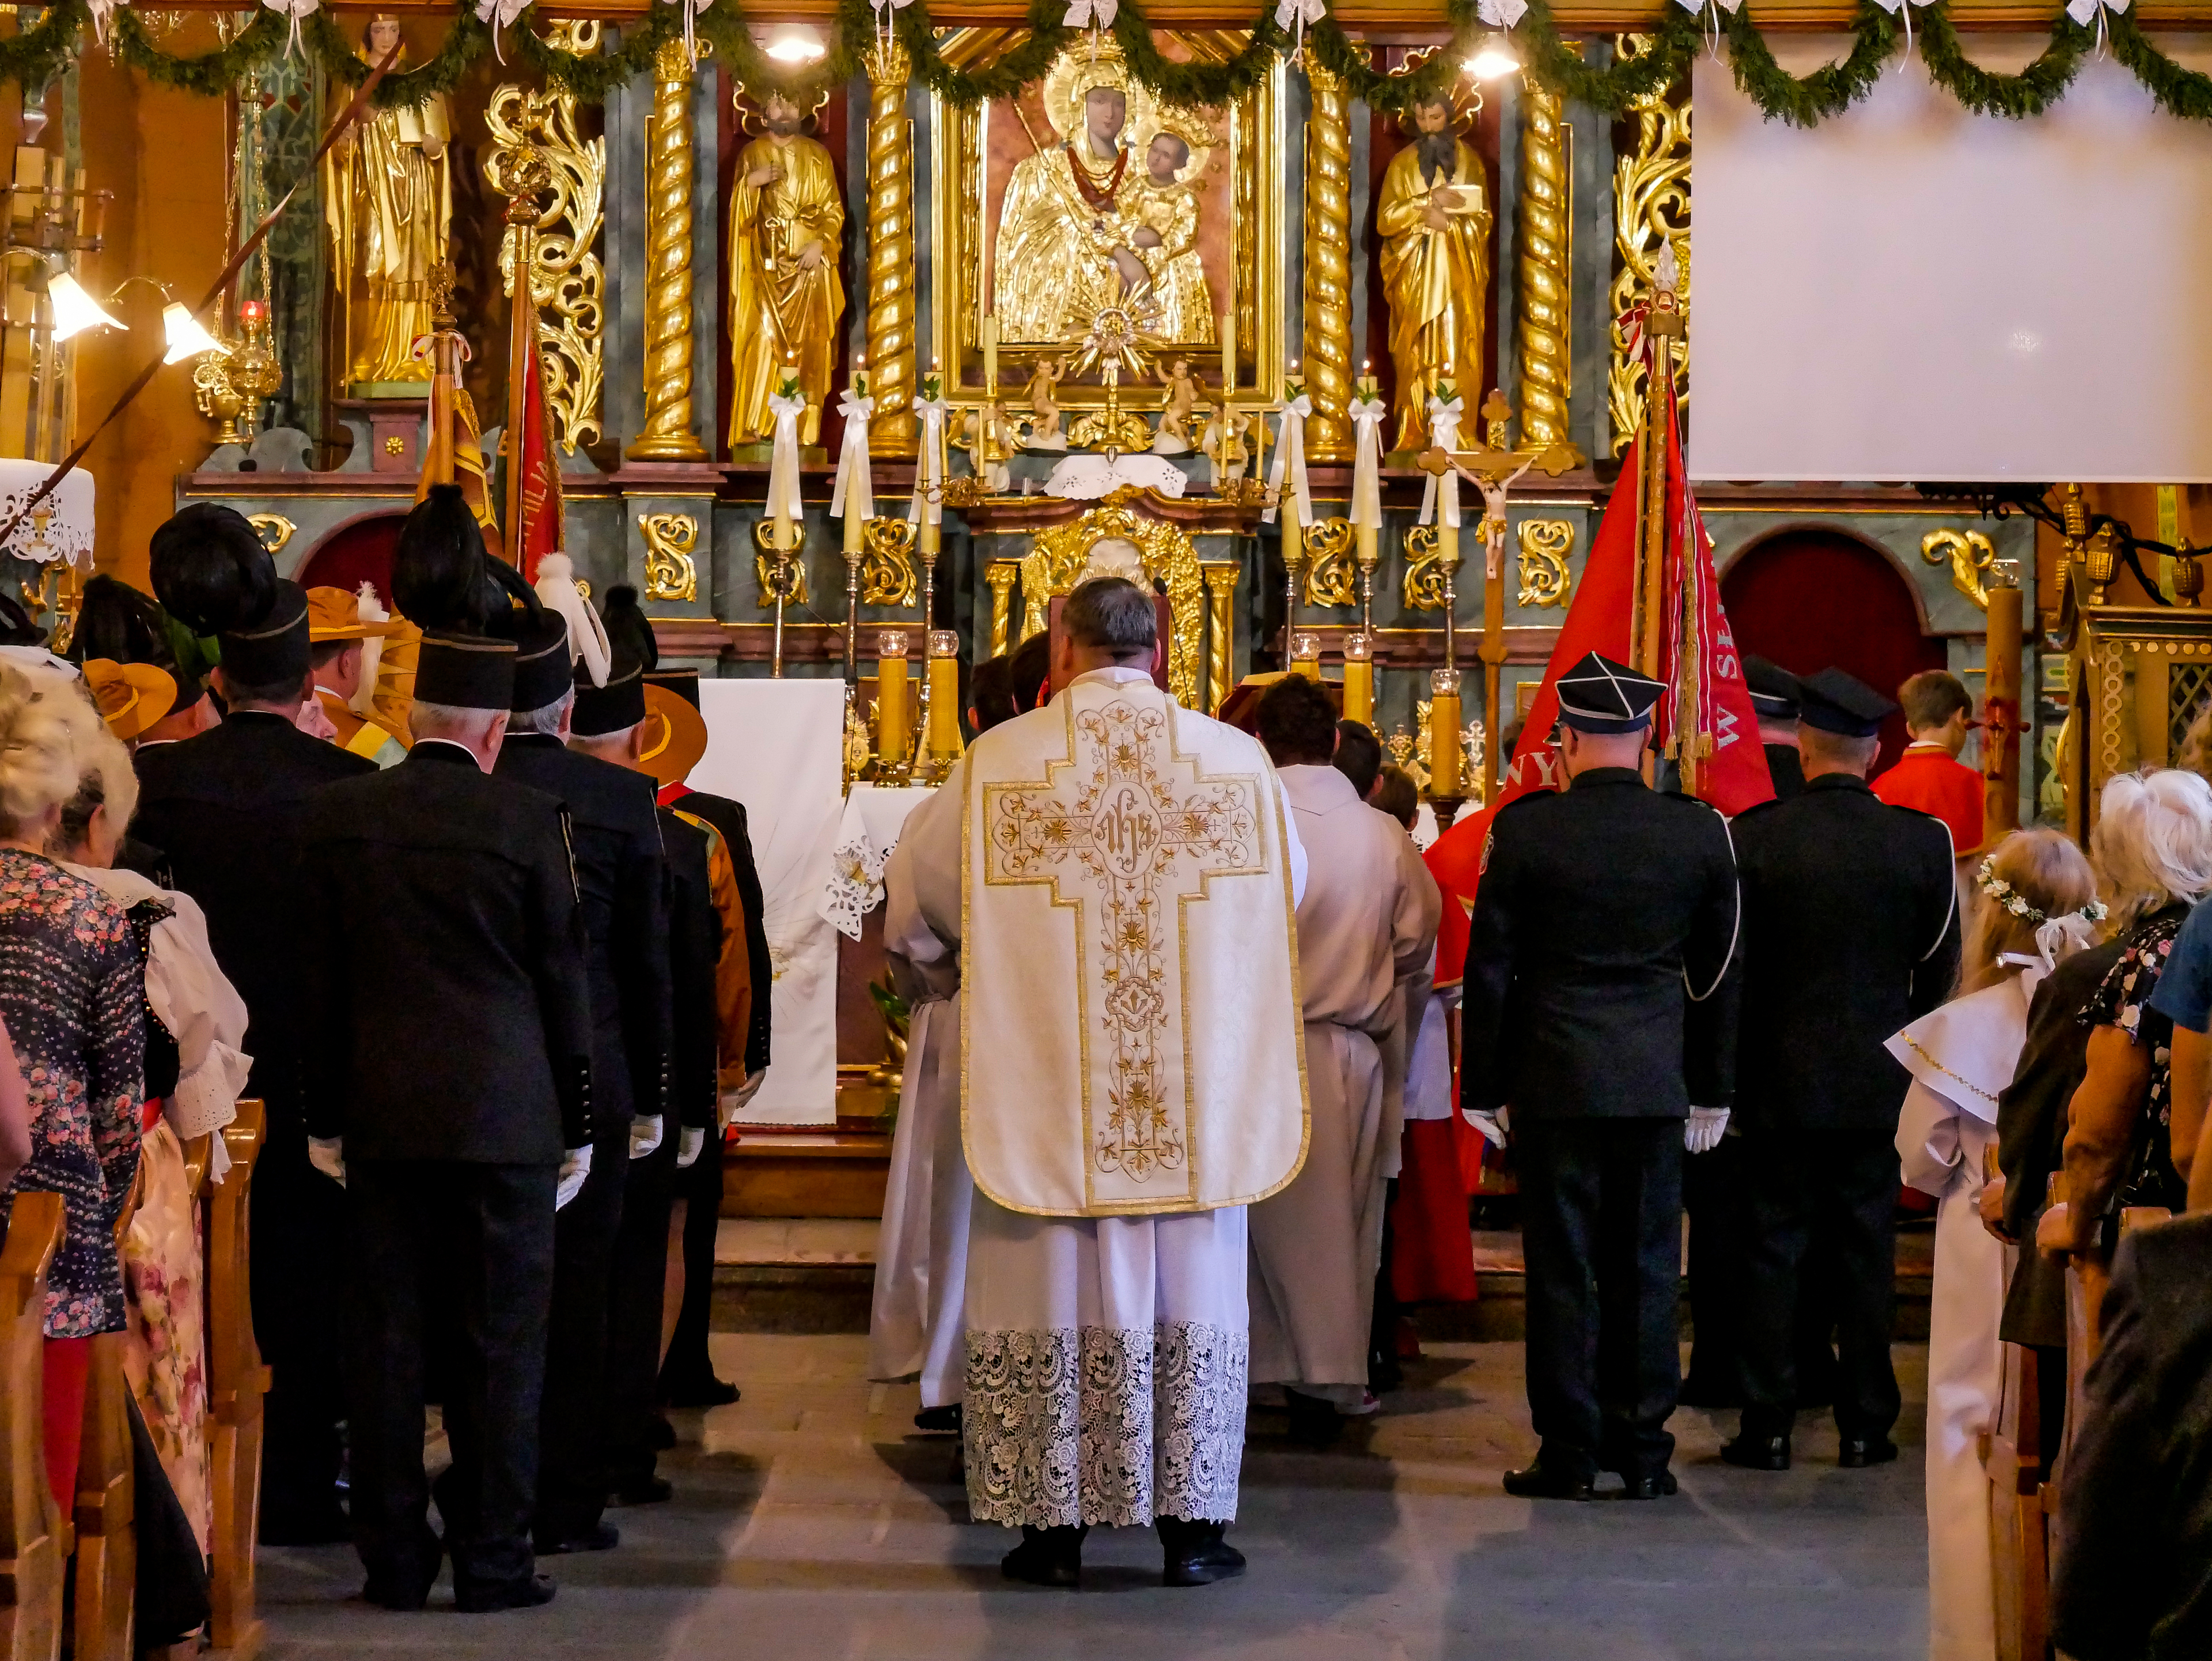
[
  {"x": 1545, "y": 255},
  {"x": 1328, "y": 266},
  {"x": 1221, "y": 627},
  {"x": 667, "y": 435},
  {"x": 892, "y": 430},
  {"x": 1000, "y": 574}
]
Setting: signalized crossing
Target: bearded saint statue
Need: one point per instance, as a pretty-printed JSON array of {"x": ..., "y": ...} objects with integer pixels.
[
  {"x": 388, "y": 209},
  {"x": 1432, "y": 214},
  {"x": 786, "y": 229}
]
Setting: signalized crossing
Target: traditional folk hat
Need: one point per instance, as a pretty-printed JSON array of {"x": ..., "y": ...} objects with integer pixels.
[
  {"x": 1599, "y": 695},
  {"x": 212, "y": 572},
  {"x": 335, "y": 614},
  {"x": 541, "y": 660},
  {"x": 1834, "y": 702},
  {"x": 675, "y": 733},
  {"x": 465, "y": 671},
  {"x": 1773, "y": 690},
  {"x": 620, "y": 704},
  {"x": 131, "y": 697}
]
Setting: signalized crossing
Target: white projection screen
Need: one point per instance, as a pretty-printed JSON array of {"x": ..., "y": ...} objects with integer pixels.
[{"x": 1910, "y": 292}]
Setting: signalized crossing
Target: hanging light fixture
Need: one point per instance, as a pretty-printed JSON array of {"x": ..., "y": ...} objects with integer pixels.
[
  {"x": 186, "y": 337},
  {"x": 1494, "y": 59},
  {"x": 75, "y": 311},
  {"x": 797, "y": 45}
]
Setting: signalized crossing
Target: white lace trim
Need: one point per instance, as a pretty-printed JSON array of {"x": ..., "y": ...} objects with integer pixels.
[
  {"x": 855, "y": 885},
  {"x": 1105, "y": 1426}
]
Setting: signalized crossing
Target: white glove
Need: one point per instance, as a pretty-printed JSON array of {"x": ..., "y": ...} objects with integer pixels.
[
  {"x": 325, "y": 1154},
  {"x": 644, "y": 1135},
  {"x": 689, "y": 1144},
  {"x": 575, "y": 1165},
  {"x": 1701, "y": 1134},
  {"x": 1491, "y": 1125},
  {"x": 734, "y": 1102}
]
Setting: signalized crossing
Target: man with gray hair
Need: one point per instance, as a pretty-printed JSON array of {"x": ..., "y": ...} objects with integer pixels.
[{"x": 1119, "y": 876}]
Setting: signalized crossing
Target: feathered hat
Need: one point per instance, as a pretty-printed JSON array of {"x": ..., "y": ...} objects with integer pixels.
[
  {"x": 213, "y": 574},
  {"x": 444, "y": 579}
]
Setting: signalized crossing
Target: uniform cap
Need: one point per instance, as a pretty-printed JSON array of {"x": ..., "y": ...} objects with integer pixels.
[
  {"x": 275, "y": 649},
  {"x": 1833, "y": 702},
  {"x": 1773, "y": 689},
  {"x": 541, "y": 660},
  {"x": 464, "y": 672},
  {"x": 1599, "y": 695}
]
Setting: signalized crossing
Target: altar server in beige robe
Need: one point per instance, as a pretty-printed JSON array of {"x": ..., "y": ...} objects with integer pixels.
[
  {"x": 1121, "y": 882},
  {"x": 1366, "y": 928}
]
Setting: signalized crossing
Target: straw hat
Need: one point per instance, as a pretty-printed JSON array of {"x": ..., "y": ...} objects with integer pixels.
[
  {"x": 675, "y": 734},
  {"x": 131, "y": 697},
  {"x": 335, "y": 614}
]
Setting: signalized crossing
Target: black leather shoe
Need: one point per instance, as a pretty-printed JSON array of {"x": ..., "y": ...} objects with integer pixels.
[
  {"x": 1755, "y": 1452},
  {"x": 945, "y": 1420},
  {"x": 527, "y": 1593},
  {"x": 602, "y": 1537},
  {"x": 1857, "y": 1452},
  {"x": 1538, "y": 1481},
  {"x": 707, "y": 1392},
  {"x": 650, "y": 1492},
  {"x": 1194, "y": 1553},
  {"x": 1046, "y": 1557},
  {"x": 1649, "y": 1485}
]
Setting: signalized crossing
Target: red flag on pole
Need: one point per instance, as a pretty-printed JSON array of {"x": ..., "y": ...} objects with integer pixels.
[{"x": 539, "y": 527}]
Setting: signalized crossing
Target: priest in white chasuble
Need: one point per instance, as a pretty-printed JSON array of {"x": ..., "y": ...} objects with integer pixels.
[
  {"x": 1121, "y": 883},
  {"x": 1366, "y": 927}
]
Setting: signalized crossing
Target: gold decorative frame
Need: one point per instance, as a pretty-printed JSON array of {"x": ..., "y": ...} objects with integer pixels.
[
  {"x": 958, "y": 154},
  {"x": 1970, "y": 554},
  {"x": 764, "y": 569},
  {"x": 1330, "y": 571},
  {"x": 1546, "y": 544},
  {"x": 1650, "y": 209},
  {"x": 671, "y": 540}
]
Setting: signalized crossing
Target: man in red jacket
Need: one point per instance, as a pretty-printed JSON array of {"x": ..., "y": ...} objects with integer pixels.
[{"x": 1938, "y": 714}]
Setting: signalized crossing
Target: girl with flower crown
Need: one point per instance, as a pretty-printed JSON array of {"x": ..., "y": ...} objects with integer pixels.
[{"x": 2036, "y": 906}]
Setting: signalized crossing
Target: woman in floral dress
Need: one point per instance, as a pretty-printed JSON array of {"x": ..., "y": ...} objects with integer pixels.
[{"x": 71, "y": 992}]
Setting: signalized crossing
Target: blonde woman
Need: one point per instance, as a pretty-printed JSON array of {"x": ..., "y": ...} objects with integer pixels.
[
  {"x": 2036, "y": 904},
  {"x": 194, "y": 1072}
]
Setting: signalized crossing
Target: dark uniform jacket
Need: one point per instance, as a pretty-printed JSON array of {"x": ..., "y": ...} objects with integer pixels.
[
  {"x": 695, "y": 945},
  {"x": 1786, "y": 768},
  {"x": 447, "y": 1012},
  {"x": 226, "y": 807},
  {"x": 2134, "y": 1574},
  {"x": 1851, "y": 932},
  {"x": 728, "y": 817},
  {"x": 1598, "y": 982},
  {"x": 616, "y": 835}
]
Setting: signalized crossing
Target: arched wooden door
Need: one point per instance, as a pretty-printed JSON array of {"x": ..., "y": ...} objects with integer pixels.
[
  {"x": 357, "y": 552},
  {"x": 1810, "y": 599}
]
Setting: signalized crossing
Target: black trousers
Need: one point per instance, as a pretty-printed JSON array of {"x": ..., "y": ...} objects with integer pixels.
[
  {"x": 1713, "y": 1184},
  {"x": 687, "y": 1366},
  {"x": 469, "y": 1248},
  {"x": 635, "y": 1286},
  {"x": 571, "y": 1456},
  {"x": 1601, "y": 1221},
  {"x": 1810, "y": 1192},
  {"x": 297, "y": 1228}
]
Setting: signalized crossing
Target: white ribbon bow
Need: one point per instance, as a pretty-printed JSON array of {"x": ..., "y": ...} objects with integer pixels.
[
  {"x": 2082, "y": 10},
  {"x": 783, "y": 503},
  {"x": 691, "y": 11},
  {"x": 294, "y": 9},
  {"x": 1290, "y": 457},
  {"x": 884, "y": 9},
  {"x": 1367, "y": 461},
  {"x": 929, "y": 467},
  {"x": 1504, "y": 13},
  {"x": 853, "y": 484},
  {"x": 2062, "y": 937},
  {"x": 102, "y": 11},
  {"x": 1902, "y": 8},
  {"x": 1090, "y": 15},
  {"x": 1293, "y": 16},
  {"x": 499, "y": 14},
  {"x": 1443, "y": 434},
  {"x": 1712, "y": 10}
]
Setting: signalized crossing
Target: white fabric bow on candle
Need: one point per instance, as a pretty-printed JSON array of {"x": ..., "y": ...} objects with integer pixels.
[
  {"x": 929, "y": 466},
  {"x": 855, "y": 490},
  {"x": 1367, "y": 461},
  {"x": 1293, "y": 16},
  {"x": 294, "y": 9},
  {"x": 1443, "y": 435},
  {"x": 1291, "y": 460},
  {"x": 783, "y": 503},
  {"x": 1504, "y": 13}
]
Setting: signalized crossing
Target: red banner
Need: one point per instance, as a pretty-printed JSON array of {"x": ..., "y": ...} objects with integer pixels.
[{"x": 540, "y": 527}]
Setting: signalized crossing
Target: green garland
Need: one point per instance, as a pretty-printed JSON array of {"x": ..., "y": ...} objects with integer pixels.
[{"x": 35, "y": 55}]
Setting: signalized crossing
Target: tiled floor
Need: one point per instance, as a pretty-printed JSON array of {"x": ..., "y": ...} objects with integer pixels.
[{"x": 809, "y": 1524}]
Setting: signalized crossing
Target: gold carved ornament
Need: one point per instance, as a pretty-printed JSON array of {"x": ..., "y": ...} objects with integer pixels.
[
  {"x": 274, "y": 530},
  {"x": 1970, "y": 555},
  {"x": 1545, "y": 245},
  {"x": 1330, "y": 571},
  {"x": 886, "y": 568},
  {"x": 764, "y": 563},
  {"x": 1651, "y": 208},
  {"x": 1423, "y": 588},
  {"x": 667, "y": 434},
  {"x": 893, "y": 430},
  {"x": 1057, "y": 557},
  {"x": 670, "y": 541},
  {"x": 1142, "y": 842},
  {"x": 1544, "y": 545},
  {"x": 1328, "y": 266},
  {"x": 568, "y": 284}
]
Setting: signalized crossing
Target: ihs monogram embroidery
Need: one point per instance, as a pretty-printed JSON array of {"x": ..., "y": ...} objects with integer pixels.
[{"x": 1144, "y": 830}]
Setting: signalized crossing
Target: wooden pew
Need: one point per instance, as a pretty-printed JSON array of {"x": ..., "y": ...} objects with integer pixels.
[
  {"x": 236, "y": 1381},
  {"x": 2019, "y": 1465},
  {"x": 33, "y": 1544},
  {"x": 105, "y": 1572}
]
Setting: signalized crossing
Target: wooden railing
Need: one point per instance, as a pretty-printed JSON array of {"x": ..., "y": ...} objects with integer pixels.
[
  {"x": 33, "y": 1549},
  {"x": 236, "y": 1381}
]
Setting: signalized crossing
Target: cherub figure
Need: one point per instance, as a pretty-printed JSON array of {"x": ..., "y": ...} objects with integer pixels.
[
  {"x": 1044, "y": 414},
  {"x": 1223, "y": 443},
  {"x": 1174, "y": 438}
]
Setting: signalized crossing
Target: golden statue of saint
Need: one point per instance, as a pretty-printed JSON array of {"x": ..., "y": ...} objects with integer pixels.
[
  {"x": 388, "y": 206},
  {"x": 787, "y": 226},
  {"x": 1163, "y": 209},
  {"x": 1435, "y": 225}
]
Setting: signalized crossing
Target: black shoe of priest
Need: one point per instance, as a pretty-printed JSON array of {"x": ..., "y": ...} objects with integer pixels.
[
  {"x": 1538, "y": 1480},
  {"x": 1046, "y": 1557},
  {"x": 1194, "y": 1553},
  {"x": 705, "y": 1392},
  {"x": 1649, "y": 1485},
  {"x": 1756, "y": 1452}
]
